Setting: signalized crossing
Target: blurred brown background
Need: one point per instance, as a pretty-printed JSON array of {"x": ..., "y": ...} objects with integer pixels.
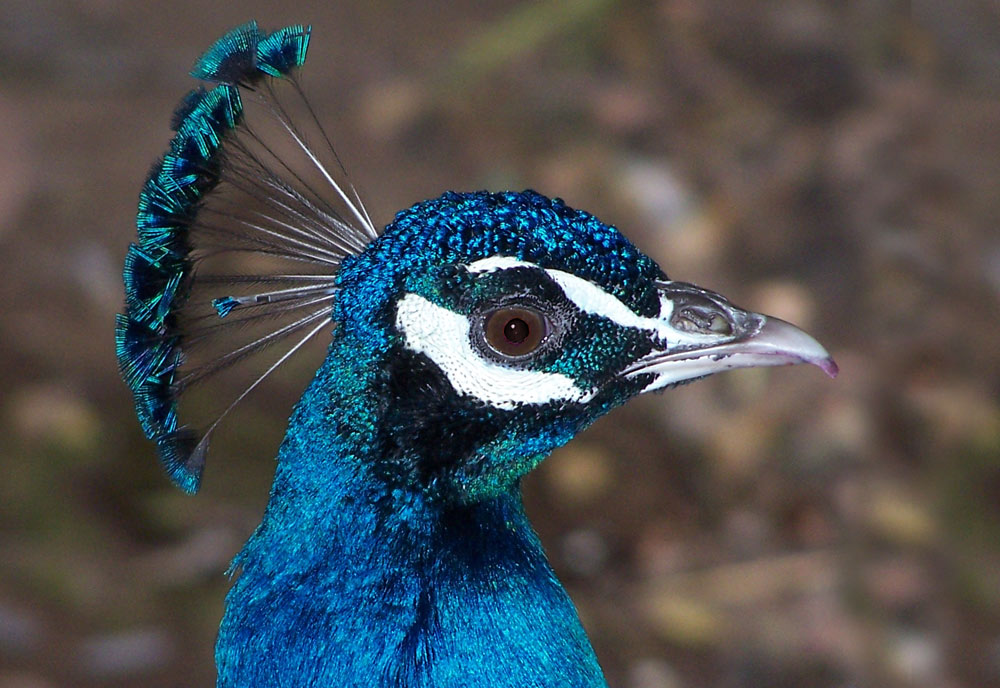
[{"x": 836, "y": 164}]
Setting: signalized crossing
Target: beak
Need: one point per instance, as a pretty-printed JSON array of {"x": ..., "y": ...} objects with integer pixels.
[{"x": 699, "y": 332}]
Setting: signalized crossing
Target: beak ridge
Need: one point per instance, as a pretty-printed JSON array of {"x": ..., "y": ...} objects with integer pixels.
[
  {"x": 754, "y": 340},
  {"x": 787, "y": 345}
]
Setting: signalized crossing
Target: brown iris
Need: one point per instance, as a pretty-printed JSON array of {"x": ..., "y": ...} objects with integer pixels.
[{"x": 515, "y": 331}]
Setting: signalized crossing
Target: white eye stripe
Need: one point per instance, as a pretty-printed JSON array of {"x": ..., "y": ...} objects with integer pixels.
[
  {"x": 587, "y": 296},
  {"x": 443, "y": 336},
  {"x": 494, "y": 263},
  {"x": 590, "y": 298}
]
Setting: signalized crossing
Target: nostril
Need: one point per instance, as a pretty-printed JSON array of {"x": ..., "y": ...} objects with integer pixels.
[
  {"x": 721, "y": 325},
  {"x": 701, "y": 319}
]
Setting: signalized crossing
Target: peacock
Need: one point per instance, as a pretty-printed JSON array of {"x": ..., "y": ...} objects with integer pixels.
[{"x": 470, "y": 337}]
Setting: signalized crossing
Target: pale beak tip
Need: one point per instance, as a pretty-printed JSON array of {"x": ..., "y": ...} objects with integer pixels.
[
  {"x": 787, "y": 340},
  {"x": 828, "y": 366}
]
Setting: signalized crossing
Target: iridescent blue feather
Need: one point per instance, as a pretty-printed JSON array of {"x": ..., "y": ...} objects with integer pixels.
[
  {"x": 283, "y": 50},
  {"x": 182, "y": 459},
  {"x": 232, "y": 58},
  {"x": 151, "y": 284},
  {"x": 186, "y": 105},
  {"x": 224, "y": 305},
  {"x": 148, "y": 362},
  {"x": 212, "y": 116},
  {"x": 163, "y": 214},
  {"x": 245, "y": 54}
]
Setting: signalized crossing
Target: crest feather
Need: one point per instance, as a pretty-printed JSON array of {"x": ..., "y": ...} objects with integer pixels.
[{"x": 239, "y": 237}]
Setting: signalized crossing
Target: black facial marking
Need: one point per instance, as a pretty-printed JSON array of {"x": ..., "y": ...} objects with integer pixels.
[{"x": 427, "y": 428}]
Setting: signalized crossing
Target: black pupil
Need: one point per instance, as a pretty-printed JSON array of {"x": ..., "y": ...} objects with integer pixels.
[{"x": 516, "y": 330}]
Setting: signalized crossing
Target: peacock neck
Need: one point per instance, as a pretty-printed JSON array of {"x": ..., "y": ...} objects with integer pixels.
[{"x": 353, "y": 579}]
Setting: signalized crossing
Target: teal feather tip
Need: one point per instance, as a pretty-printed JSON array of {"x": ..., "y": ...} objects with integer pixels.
[
  {"x": 231, "y": 58},
  {"x": 224, "y": 305},
  {"x": 246, "y": 54},
  {"x": 283, "y": 50}
]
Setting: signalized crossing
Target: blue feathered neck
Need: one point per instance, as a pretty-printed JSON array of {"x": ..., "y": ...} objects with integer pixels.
[{"x": 352, "y": 581}]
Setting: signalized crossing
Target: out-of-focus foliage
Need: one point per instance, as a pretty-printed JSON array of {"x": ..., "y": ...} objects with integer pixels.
[{"x": 836, "y": 164}]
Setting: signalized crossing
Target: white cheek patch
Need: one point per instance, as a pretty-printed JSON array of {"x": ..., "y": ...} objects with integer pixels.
[{"x": 443, "y": 336}]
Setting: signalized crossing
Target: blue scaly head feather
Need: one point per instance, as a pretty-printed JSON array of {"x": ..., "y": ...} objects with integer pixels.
[{"x": 474, "y": 335}]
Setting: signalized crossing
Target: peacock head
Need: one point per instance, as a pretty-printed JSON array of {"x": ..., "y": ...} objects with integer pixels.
[
  {"x": 474, "y": 335},
  {"x": 502, "y": 324}
]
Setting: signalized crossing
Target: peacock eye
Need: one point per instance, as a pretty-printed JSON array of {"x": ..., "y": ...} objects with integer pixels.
[{"x": 515, "y": 331}]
